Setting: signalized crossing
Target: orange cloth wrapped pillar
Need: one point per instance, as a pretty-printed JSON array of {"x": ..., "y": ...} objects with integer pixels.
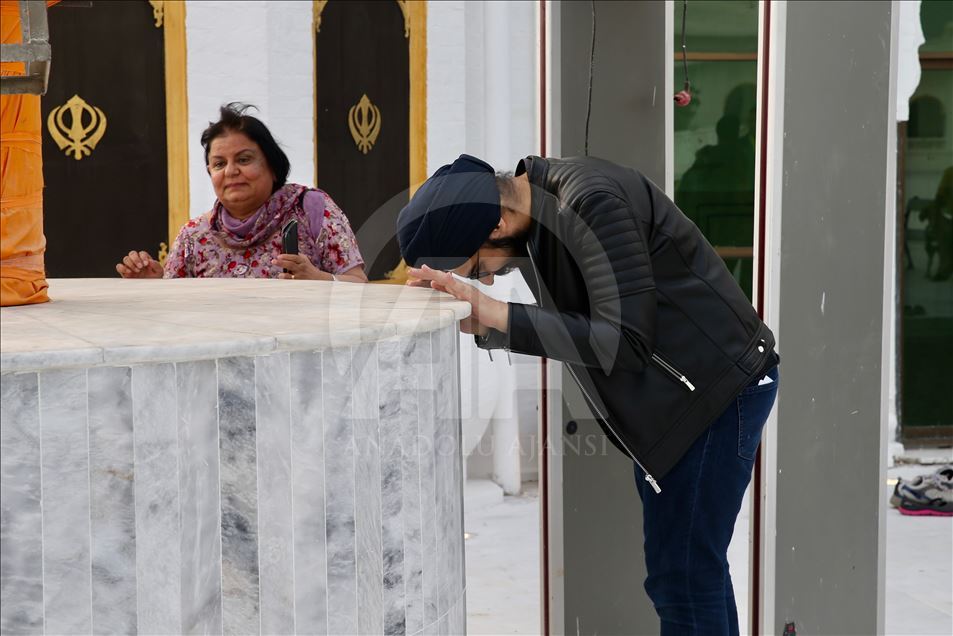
[{"x": 22, "y": 274}]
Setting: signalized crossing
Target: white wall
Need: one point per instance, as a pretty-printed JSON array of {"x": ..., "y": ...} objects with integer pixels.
[
  {"x": 258, "y": 52},
  {"x": 481, "y": 81}
]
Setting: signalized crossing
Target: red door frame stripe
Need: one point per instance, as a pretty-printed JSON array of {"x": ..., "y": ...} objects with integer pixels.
[
  {"x": 758, "y": 487},
  {"x": 543, "y": 393}
]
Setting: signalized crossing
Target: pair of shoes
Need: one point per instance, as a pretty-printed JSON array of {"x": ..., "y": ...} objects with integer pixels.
[
  {"x": 926, "y": 495},
  {"x": 913, "y": 489}
]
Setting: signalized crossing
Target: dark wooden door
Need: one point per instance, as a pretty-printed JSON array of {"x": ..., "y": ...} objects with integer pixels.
[
  {"x": 107, "y": 72},
  {"x": 362, "y": 129}
]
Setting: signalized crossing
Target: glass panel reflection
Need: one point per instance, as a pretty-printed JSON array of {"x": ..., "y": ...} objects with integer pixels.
[{"x": 715, "y": 133}]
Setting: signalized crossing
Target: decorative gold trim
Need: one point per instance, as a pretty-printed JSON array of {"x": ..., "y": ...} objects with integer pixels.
[
  {"x": 364, "y": 122},
  {"x": 317, "y": 10},
  {"x": 406, "y": 11},
  {"x": 417, "y": 11},
  {"x": 163, "y": 254},
  {"x": 158, "y": 9},
  {"x": 317, "y": 7},
  {"x": 176, "y": 116},
  {"x": 79, "y": 138}
]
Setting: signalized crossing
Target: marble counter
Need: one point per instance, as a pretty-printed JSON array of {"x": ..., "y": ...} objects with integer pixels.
[{"x": 231, "y": 456}]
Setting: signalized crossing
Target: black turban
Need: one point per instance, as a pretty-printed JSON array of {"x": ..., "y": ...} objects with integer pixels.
[{"x": 450, "y": 216}]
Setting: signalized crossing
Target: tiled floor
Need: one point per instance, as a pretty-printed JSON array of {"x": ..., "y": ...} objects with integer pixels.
[
  {"x": 502, "y": 561},
  {"x": 503, "y": 567},
  {"x": 919, "y": 568}
]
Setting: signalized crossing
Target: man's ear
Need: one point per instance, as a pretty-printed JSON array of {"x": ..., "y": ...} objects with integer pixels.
[{"x": 501, "y": 228}]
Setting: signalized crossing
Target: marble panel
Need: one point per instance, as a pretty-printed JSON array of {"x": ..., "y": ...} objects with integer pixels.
[
  {"x": 457, "y": 498},
  {"x": 458, "y": 617},
  {"x": 238, "y": 479},
  {"x": 391, "y": 458},
  {"x": 112, "y": 500},
  {"x": 367, "y": 489},
  {"x": 275, "y": 521},
  {"x": 337, "y": 382},
  {"x": 200, "y": 537},
  {"x": 158, "y": 550},
  {"x": 410, "y": 486},
  {"x": 64, "y": 440},
  {"x": 459, "y": 623},
  {"x": 308, "y": 465},
  {"x": 21, "y": 526},
  {"x": 443, "y": 463},
  {"x": 428, "y": 487}
]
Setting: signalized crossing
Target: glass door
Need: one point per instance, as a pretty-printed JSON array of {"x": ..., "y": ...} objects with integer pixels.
[
  {"x": 715, "y": 133},
  {"x": 926, "y": 227}
]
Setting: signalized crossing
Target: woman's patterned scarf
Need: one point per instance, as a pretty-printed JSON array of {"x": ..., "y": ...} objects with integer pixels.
[
  {"x": 279, "y": 208},
  {"x": 208, "y": 249}
]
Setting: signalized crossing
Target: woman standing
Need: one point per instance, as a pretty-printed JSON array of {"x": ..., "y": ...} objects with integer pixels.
[{"x": 240, "y": 237}]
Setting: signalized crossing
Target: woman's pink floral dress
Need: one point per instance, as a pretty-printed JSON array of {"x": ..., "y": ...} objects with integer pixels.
[{"x": 207, "y": 248}]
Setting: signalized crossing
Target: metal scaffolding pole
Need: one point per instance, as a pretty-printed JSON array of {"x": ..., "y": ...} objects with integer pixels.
[{"x": 33, "y": 51}]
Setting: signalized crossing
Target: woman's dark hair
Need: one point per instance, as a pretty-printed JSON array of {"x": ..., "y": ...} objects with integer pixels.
[{"x": 232, "y": 118}]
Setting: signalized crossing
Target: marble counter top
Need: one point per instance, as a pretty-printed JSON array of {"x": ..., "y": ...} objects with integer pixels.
[
  {"x": 95, "y": 322},
  {"x": 231, "y": 457}
]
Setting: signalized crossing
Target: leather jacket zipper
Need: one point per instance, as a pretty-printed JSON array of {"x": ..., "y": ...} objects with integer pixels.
[
  {"x": 648, "y": 476},
  {"x": 672, "y": 371}
]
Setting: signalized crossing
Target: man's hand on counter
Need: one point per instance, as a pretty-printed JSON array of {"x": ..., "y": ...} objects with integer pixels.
[{"x": 485, "y": 312}]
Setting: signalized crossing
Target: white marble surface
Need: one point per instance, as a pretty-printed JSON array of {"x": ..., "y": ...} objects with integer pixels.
[
  {"x": 93, "y": 322},
  {"x": 188, "y": 459},
  {"x": 21, "y": 525}
]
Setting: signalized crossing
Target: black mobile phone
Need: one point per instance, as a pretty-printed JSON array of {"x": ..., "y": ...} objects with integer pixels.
[{"x": 289, "y": 238}]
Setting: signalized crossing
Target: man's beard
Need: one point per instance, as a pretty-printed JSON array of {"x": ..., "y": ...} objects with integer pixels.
[
  {"x": 518, "y": 254},
  {"x": 515, "y": 244}
]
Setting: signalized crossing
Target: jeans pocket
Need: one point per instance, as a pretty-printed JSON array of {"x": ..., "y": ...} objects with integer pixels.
[{"x": 753, "y": 410}]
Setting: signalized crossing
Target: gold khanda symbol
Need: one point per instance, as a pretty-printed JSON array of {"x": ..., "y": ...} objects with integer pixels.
[
  {"x": 79, "y": 138},
  {"x": 364, "y": 120},
  {"x": 158, "y": 11}
]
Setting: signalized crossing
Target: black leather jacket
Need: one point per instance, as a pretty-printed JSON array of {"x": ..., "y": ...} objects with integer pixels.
[{"x": 632, "y": 297}]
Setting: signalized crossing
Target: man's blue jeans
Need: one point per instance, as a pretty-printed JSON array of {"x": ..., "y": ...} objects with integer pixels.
[{"x": 688, "y": 526}]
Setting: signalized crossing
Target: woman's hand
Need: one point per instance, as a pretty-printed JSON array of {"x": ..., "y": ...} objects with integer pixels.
[
  {"x": 139, "y": 265},
  {"x": 416, "y": 282},
  {"x": 299, "y": 268},
  {"x": 485, "y": 313}
]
